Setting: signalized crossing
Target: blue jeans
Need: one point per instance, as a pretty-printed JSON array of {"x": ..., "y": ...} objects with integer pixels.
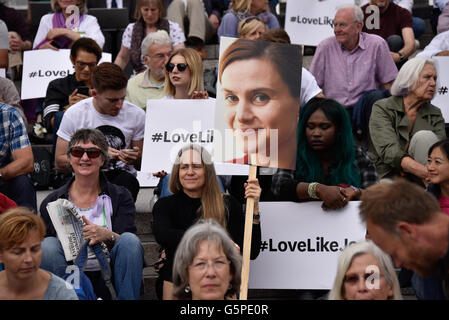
[
  {"x": 126, "y": 263},
  {"x": 21, "y": 190},
  {"x": 419, "y": 27},
  {"x": 164, "y": 183}
]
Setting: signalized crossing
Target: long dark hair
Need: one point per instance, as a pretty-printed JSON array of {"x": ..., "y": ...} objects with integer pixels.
[{"x": 308, "y": 166}]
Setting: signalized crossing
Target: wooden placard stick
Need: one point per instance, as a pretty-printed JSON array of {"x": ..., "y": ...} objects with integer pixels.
[{"x": 247, "y": 237}]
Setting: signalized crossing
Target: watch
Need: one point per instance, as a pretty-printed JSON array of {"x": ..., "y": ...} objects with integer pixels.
[
  {"x": 401, "y": 56},
  {"x": 113, "y": 238}
]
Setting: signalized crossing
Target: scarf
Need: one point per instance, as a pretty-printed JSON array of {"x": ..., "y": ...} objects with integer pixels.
[
  {"x": 136, "y": 41},
  {"x": 59, "y": 21},
  {"x": 103, "y": 205}
]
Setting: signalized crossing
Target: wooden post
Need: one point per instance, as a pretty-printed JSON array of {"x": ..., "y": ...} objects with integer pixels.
[{"x": 247, "y": 238}]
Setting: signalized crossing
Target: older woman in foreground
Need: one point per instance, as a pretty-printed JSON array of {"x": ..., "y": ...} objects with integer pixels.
[
  {"x": 404, "y": 126},
  {"x": 207, "y": 265},
  {"x": 365, "y": 272}
]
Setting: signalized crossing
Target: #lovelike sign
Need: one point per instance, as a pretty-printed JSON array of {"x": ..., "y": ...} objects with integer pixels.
[
  {"x": 173, "y": 123},
  {"x": 309, "y": 22},
  {"x": 301, "y": 244},
  {"x": 42, "y": 66},
  {"x": 441, "y": 98}
]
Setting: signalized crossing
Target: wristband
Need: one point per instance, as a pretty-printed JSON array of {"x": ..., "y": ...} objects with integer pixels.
[{"x": 311, "y": 190}]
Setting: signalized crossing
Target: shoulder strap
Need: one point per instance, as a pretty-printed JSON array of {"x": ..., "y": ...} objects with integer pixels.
[{"x": 105, "y": 269}]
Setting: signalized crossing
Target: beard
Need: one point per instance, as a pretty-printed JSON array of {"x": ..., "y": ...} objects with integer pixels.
[{"x": 422, "y": 262}]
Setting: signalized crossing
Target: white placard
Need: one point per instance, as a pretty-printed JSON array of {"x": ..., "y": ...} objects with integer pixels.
[
  {"x": 42, "y": 66},
  {"x": 172, "y": 123},
  {"x": 441, "y": 98},
  {"x": 2, "y": 73},
  {"x": 146, "y": 179},
  {"x": 302, "y": 244},
  {"x": 310, "y": 22}
]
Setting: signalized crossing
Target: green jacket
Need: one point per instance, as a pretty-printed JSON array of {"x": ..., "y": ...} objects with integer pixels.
[{"x": 389, "y": 133}]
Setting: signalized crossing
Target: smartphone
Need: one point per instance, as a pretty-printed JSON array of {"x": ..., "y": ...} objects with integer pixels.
[
  {"x": 55, "y": 44},
  {"x": 83, "y": 90}
]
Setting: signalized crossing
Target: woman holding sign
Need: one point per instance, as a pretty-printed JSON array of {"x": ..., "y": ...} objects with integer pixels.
[
  {"x": 59, "y": 29},
  {"x": 196, "y": 195},
  {"x": 329, "y": 167},
  {"x": 261, "y": 91}
]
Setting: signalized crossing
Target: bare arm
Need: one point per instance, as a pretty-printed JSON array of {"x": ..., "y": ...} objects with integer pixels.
[
  {"x": 62, "y": 163},
  {"x": 4, "y": 58},
  {"x": 23, "y": 163},
  {"x": 414, "y": 167},
  {"x": 179, "y": 46},
  {"x": 122, "y": 57},
  {"x": 409, "y": 45}
]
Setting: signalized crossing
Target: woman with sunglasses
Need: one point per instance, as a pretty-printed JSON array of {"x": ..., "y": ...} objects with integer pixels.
[
  {"x": 196, "y": 195},
  {"x": 183, "y": 80},
  {"x": 108, "y": 211},
  {"x": 184, "y": 75}
]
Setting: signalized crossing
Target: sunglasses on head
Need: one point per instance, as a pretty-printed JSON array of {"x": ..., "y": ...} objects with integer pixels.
[
  {"x": 181, "y": 67},
  {"x": 248, "y": 20},
  {"x": 78, "y": 152}
]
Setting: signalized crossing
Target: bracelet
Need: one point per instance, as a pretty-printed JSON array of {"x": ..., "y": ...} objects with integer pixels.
[
  {"x": 311, "y": 190},
  {"x": 256, "y": 217}
]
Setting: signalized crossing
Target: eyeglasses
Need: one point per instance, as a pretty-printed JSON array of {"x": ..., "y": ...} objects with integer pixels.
[
  {"x": 181, "y": 66},
  {"x": 83, "y": 65},
  {"x": 343, "y": 25},
  {"x": 78, "y": 152},
  {"x": 217, "y": 265}
]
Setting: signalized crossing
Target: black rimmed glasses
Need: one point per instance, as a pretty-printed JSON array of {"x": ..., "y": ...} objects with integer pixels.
[{"x": 181, "y": 66}]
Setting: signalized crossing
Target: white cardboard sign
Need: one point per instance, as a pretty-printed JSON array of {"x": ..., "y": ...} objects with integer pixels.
[
  {"x": 42, "y": 66},
  {"x": 310, "y": 22},
  {"x": 170, "y": 124},
  {"x": 301, "y": 244},
  {"x": 441, "y": 98}
]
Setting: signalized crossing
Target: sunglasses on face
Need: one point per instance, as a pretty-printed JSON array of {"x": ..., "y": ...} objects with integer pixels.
[
  {"x": 92, "y": 153},
  {"x": 181, "y": 67}
]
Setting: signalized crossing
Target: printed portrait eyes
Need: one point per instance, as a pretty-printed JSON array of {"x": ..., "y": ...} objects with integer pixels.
[
  {"x": 231, "y": 99},
  {"x": 261, "y": 98}
]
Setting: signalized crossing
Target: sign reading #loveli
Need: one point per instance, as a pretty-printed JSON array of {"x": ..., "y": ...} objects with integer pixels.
[
  {"x": 42, "y": 66},
  {"x": 309, "y": 22},
  {"x": 301, "y": 244}
]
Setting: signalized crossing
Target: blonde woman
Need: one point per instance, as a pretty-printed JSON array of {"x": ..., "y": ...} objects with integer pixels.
[
  {"x": 365, "y": 272},
  {"x": 196, "y": 195},
  {"x": 184, "y": 75},
  {"x": 243, "y": 9},
  {"x": 251, "y": 28}
]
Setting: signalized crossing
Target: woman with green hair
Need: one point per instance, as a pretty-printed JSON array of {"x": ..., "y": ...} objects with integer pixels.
[{"x": 329, "y": 167}]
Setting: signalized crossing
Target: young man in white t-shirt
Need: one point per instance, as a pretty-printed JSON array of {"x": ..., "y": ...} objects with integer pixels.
[{"x": 122, "y": 123}]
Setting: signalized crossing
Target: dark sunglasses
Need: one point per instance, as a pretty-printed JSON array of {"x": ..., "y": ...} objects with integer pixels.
[
  {"x": 181, "y": 66},
  {"x": 78, "y": 152}
]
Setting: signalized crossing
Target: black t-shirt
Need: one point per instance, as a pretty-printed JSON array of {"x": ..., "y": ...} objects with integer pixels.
[{"x": 174, "y": 214}]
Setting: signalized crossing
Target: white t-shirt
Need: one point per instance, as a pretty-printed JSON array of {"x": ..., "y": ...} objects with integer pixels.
[
  {"x": 88, "y": 26},
  {"x": 309, "y": 87},
  {"x": 120, "y": 131},
  {"x": 176, "y": 34}
]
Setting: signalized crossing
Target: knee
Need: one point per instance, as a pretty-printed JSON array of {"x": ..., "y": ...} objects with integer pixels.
[
  {"x": 395, "y": 43},
  {"x": 50, "y": 246},
  {"x": 130, "y": 243},
  {"x": 425, "y": 136}
]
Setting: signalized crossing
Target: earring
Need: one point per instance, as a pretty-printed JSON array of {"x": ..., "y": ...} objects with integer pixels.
[
  {"x": 230, "y": 286},
  {"x": 187, "y": 289}
]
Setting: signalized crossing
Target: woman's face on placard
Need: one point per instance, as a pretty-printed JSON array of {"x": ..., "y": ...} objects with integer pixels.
[{"x": 259, "y": 106}]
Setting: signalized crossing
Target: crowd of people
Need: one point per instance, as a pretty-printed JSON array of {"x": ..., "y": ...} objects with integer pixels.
[{"x": 358, "y": 125}]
